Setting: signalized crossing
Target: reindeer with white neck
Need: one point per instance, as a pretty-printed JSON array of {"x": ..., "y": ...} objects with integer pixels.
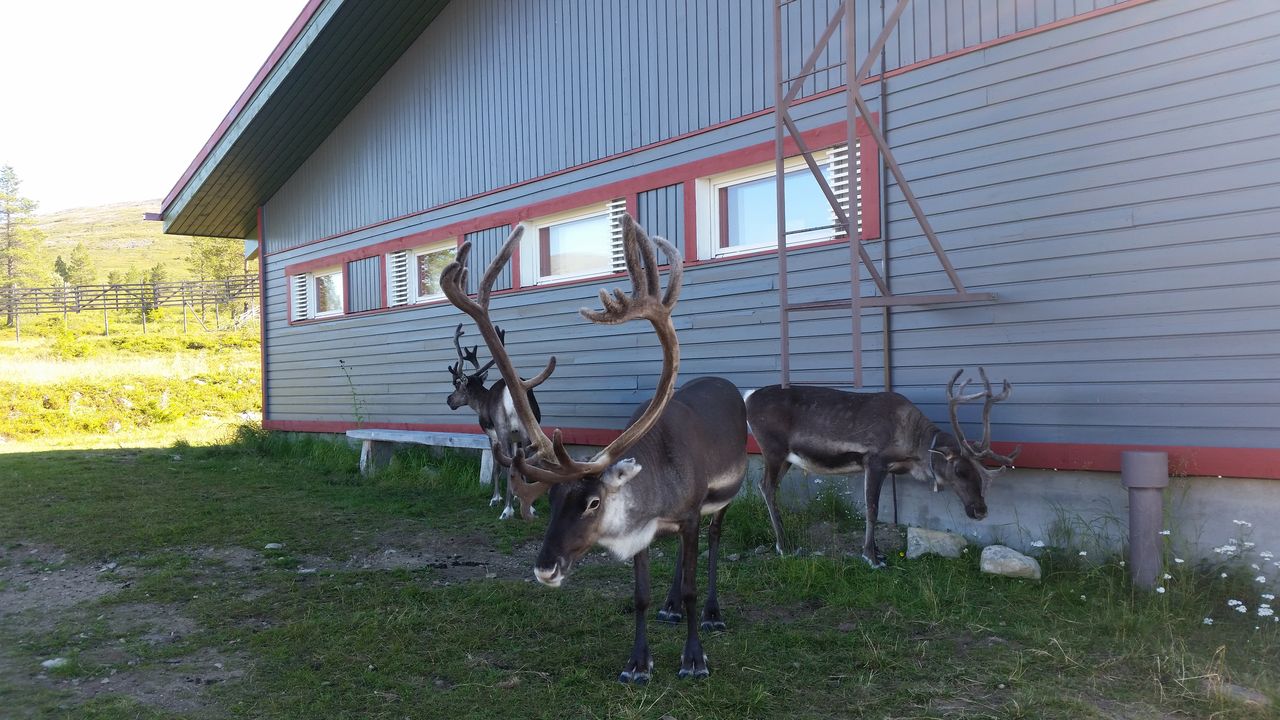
[{"x": 682, "y": 456}]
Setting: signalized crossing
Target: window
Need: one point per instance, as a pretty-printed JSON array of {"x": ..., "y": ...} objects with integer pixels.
[
  {"x": 576, "y": 244},
  {"x": 737, "y": 211},
  {"x": 316, "y": 294},
  {"x": 413, "y": 276}
]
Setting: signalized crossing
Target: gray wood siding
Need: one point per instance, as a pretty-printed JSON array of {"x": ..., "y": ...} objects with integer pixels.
[
  {"x": 496, "y": 93},
  {"x": 484, "y": 246},
  {"x": 364, "y": 284},
  {"x": 661, "y": 212},
  {"x": 1115, "y": 181}
]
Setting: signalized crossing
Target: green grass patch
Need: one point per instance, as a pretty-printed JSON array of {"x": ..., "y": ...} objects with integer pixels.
[{"x": 809, "y": 636}]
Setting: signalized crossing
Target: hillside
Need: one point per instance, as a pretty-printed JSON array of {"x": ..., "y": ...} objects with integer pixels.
[{"x": 116, "y": 236}]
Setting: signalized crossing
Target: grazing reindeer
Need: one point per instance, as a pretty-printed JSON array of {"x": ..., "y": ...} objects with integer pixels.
[
  {"x": 498, "y": 420},
  {"x": 682, "y": 456},
  {"x": 828, "y": 431}
]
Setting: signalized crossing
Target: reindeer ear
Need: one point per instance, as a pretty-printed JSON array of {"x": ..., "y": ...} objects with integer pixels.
[{"x": 620, "y": 473}]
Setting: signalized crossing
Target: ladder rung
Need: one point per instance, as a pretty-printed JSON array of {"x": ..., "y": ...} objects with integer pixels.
[
  {"x": 815, "y": 71},
  {"x": 819, "y": 305},
  {"x": 837, "y": 226}
]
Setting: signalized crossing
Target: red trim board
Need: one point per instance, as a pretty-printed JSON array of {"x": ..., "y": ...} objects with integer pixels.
[{"x": 1261, "y": 463}]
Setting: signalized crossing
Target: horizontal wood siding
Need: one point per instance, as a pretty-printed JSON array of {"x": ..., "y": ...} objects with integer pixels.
[
  {"x": 1114, "y": 181},
  {"x": 496, "y": 93}
]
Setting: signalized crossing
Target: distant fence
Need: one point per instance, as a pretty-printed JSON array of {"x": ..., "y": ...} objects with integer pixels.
[{"x": 137, "y": 297}]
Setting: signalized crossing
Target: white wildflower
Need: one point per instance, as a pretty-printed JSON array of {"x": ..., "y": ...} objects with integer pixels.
[
  {"x": 1265, "y": 612},
  {"x": 1242, "y": 609},
  {"x": 1083, "y": 553},
  {"x": 1254, "y": 566},
  {"x": 1179, "y": 560},
  {"x": 1260, "y": 578},
  {"x": 1266, "y": 555},
  {"x": 1268, "y": 596},
  {"x": 1233, "y": 603},
  {"x": 1121, "y": 563},
  {"x": 1208, "y": 621},
  {"x": 1160, "y": 590},
  {"x": 1248, "y": 544},
  {"x": 1082, "y": 597},
  {"x": 1037, "y": 543},
  {"x": 1167, "y": 576},
  {"x": 1243, "y": 523},
  {"x": 1224, "y": 576},
  {"x": 1164, "y": 532},
  {"x": 1226, "y": 549}
]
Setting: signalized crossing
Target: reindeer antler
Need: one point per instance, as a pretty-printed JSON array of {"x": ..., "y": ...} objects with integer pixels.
[
  {"x": 468, "y": 355},
  {"x": 982, "y": 448},
  {"x": 556, "y": 465}
]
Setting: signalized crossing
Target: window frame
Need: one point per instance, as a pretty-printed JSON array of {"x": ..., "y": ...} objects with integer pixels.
[
  {"x": 415, "y": 280},
  {"x": 313, "y": 292},
  {"x": 534, "y": 248},
  {"x": 710, "y": 193}
]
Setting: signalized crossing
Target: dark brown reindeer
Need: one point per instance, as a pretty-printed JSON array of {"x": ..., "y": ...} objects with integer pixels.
[
  {"x": 829, "y": 432},
  {"x": 682, "y": 456},
  {"x": 498, "y": 420}
]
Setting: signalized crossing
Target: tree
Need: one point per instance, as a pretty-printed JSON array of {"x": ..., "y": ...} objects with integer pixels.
[
  {"x": 60, "y": 269},
  {"x": 158, "y": 274},
  {"x": 80, "y": 268},
  {"x": 115, "y": 277},
  {"x": 18, "y": 238},
  {"x": 215, "y": 258}
]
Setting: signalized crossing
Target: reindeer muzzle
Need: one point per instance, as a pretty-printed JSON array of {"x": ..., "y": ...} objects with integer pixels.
[{"x": 552, "y": 576}]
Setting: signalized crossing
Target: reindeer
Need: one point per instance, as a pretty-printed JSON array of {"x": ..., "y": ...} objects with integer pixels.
[
  {"x": 828, "y": 431},
  {"x": 493, "y": 407},
  {"x": 682, "y": 456}
]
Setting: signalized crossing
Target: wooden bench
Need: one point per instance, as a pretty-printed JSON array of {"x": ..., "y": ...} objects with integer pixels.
[{"x": 375, "y": 453}]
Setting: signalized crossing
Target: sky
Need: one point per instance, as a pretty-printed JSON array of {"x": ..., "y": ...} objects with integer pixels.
[{"x": 110, "y": 101}]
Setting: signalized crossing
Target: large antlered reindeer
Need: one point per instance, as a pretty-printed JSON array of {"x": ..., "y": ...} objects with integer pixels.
[
  {"x": 498, "y": 420},
  {"x": 682, "y": 456},
  {"x": 831, "y": 432}
]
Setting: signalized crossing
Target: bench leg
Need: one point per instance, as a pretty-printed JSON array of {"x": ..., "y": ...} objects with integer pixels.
[
  {"x": 374, "y": 455},
  {"x": 486, "y": 466}
]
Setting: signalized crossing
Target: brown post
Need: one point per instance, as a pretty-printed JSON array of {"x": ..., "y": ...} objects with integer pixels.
[{"x": 1146, "y": 475}]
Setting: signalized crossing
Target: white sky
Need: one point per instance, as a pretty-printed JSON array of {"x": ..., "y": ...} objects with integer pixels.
[{"x": 109, "y": 100}]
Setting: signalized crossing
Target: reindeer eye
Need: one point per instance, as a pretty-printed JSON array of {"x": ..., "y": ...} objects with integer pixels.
[{"x": 593, "y": 503}]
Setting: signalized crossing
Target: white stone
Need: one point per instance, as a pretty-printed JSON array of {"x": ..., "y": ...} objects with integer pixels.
[
  {"x": 1001, "y": 560},
  {"x": 274, "y": 546},
  {"x": 53, "y": 663},
  {"x": 922, "y": 542}
]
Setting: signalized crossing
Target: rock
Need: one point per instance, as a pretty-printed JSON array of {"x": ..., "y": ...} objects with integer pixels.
[
  {"x": 491, "y": 576},
  {"x": 921, "y": 542},
  {"x": 734, "y": 557},
  {"x": 275, "y": 546},
  {"x": 306, "y": 571},
  {"x": 53, "y": 663},
  {"x": 1238, "y": 693},
  {"x": 1001, "y": 560}
]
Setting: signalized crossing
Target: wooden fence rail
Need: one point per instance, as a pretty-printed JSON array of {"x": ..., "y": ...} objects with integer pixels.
[{"x": 136, "y": 297}]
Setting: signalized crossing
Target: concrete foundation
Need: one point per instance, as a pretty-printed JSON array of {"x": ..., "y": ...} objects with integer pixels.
[{"x": 1080, "y": 510}]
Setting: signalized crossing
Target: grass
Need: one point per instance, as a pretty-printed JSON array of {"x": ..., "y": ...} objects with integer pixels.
[{"x": 809, "y": 637}]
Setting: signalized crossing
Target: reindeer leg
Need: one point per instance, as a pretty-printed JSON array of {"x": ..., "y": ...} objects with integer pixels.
[
  {"x": 670, "y": 610},
  {"x": 497, "y": 474},
  {"x": 773, "y": 473},
  {"x": 507, "y": 511},
  {"x": 711, "y": 619},
  {"x": 873, "y": 477},
  {"x": 693, "y": 663},
  {"x": 640, "y": 666}
]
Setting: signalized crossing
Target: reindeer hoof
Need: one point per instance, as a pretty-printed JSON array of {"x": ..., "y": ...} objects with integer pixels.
[
  {"x": 877, "y": 563},
  {"x": 712, "y": 625},
  {"x": 668, "y": 616},
  {"x": 636, "y": 675},
  {"x": 507, "y": 514},
  {"x": 694, "y": 669},
  {"x": 493, "y": 502}
]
